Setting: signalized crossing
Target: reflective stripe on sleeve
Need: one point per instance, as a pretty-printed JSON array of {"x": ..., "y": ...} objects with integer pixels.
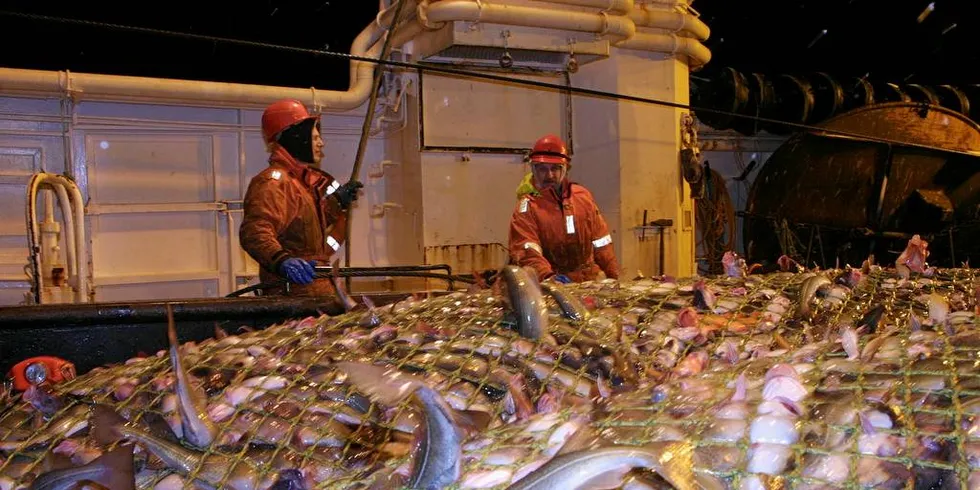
[
  {"x": 333, "y": 187},
  {"x": 602, "y": 242},
  {"x": 533, "y": 246},
  {"x": 334, "y": 244}
]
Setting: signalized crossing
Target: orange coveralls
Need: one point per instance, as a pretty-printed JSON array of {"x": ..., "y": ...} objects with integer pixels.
[
  {"x": 562, "y": 235},
  {"x": 289, "y": 214}
]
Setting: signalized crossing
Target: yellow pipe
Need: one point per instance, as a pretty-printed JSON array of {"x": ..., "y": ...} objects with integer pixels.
[
  {"x": 468, "y": 10},
  {"x": 698, "y": 54}
]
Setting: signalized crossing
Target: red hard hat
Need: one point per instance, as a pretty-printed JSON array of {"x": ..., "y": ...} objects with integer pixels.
[
  {"x": 281, "y": 115},
  {"x": 550, "y": 149}
]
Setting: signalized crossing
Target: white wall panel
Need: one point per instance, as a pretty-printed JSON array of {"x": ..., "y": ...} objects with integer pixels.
[
  {"x": 469, "y": 202},
  {"x": 225, "y": 151},
  {"x": 158, "y": 114},
  {"x": 162, "y": 291},
  {"x": 13, "y": 294},
  {"x": 27, "y": 110},
  {"x": 473, "y": 113},
  {"x": 150, "y": 168},
  {"x": 20, "y": 157},
  {"x": 148, "y": 243}
]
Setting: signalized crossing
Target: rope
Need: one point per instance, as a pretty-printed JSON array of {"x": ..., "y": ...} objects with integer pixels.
[{"x": 451, "y": 278}]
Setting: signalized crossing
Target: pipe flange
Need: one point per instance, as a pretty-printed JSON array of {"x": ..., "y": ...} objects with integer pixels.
[
  {"x": 605, "y": 23},
  {"x": 70, "y": 92}
]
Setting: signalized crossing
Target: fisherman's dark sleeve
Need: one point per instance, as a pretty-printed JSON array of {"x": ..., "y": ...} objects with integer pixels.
[
  {"x": 265, "y": 218},
  {"x": 524, "y": 244},
  {"x": 605, "y": 252}
]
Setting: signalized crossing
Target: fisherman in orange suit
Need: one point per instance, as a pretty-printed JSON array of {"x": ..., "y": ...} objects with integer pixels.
[{"x": 556, "y": 228}]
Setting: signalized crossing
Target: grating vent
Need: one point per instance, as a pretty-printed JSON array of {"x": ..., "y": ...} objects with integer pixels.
[{"x": 491, "y": 55}]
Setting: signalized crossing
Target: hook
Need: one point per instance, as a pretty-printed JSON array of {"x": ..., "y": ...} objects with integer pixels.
[
  {"x": 506, "y": 60},
  {"x": 572, "y": 64}
]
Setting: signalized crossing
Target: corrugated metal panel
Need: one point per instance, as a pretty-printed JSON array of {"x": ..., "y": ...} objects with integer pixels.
[{"x": 466, "y": 258}]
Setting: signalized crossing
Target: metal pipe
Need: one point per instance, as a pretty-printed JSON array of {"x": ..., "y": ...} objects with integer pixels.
[
  {"x": 621, "y": 27},
  {"x": 206, "y": 94},
  {"x": 698, "y": 54},
  {"x": 455, "y": 10},
  {"x": 78, "y": 209},
  {"x": 49, "y": 234},
  {"x": 70, "y": 232},
  {"x": 676, "y": 22},
  {"x": 407, "y": 271},
  {"x": 232, "y": 273},
  {"x": 212, "y": 94},
  {"x": 618, "y": 7},
  {"x": 450, "y": 278}
]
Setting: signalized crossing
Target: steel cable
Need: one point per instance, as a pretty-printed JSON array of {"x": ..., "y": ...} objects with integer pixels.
[{"x": 366, "y": 130}]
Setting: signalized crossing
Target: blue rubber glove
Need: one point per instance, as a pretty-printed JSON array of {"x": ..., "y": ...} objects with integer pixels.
[
  {"x": 562, "y": 278},
  {"x": 347, "y": 193},
  {"x": 298, "y": 271}
]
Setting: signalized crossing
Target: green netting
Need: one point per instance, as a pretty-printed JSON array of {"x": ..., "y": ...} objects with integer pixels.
[{"x": 651, "y": 364}]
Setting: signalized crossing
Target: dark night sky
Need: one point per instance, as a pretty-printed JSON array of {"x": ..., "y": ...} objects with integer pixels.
[
  {"x": 881, "y": 37},
  {"x": 94, "y": 49}
]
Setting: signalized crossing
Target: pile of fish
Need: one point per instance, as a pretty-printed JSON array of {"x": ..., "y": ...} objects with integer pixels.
[{"x": 811, "y": 379}]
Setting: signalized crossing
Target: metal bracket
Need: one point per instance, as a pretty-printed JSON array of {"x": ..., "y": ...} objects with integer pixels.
[
  {"x": 378, "y": 170},
  {"x": 689, "y": 132},
  {"x": 661, "y": 226}
]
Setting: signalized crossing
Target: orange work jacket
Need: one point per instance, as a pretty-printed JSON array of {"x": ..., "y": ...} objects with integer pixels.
[
  {"x": 289, "y": 212},
  {"x": 563, "y": 234}
]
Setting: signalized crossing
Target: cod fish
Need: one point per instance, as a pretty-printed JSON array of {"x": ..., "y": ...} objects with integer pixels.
[
  {"x": 197, "y": 427},
  {"x": 606, "y": 468},
  {"x": 436, "y": 460},
  {"x": 212, "y": 469},
  {"x": 527, "y": 301},
  {"x": 113, "y": 470},
  {"x": 571, "y": 307}
]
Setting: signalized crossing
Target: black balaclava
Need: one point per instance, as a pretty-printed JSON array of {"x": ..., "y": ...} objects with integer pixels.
[{"x": 298, "y": 140}]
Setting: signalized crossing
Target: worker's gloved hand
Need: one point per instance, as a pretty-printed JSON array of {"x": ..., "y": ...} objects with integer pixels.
[
  {"x": 562, "y": 278},
  {"x": 298, "y": 271},
  {"x": 347, "y": 193}
]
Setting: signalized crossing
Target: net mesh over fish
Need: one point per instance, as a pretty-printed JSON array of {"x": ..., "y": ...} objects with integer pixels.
[{"x": 869, "y": 384}]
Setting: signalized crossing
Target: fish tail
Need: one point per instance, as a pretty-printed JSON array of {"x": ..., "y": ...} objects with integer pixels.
[
  {"x": 119, "y": 471},
  {"x": 197, "y": 427},
  {"x": 345, "y": 300},
  {"x": 524, "y": 293}
]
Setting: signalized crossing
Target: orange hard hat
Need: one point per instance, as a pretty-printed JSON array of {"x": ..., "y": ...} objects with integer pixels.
[
  {"x": 281, "y": 115},
  {"x": 550, "y": 149}
]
